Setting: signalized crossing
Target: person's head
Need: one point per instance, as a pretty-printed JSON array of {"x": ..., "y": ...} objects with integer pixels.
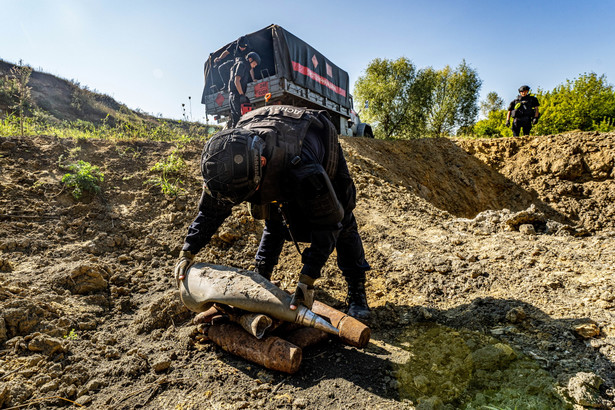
[
  {"x": 253, "y": 58},
  {"x": 232, "y": 164},
  {"x": 242, "y": 43},
  {"x": 524, "y": 89}
]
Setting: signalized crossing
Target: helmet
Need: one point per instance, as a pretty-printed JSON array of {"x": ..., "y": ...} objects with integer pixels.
[
  {"x": 231, "y": 165},
  {"x": 254, "y": 56},
  {"x": 524, "y": 88}
]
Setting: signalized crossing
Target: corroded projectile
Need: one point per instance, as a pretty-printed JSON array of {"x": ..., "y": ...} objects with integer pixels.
[
  {"x": 206, "y": 284},
  {"x": 271, "y": 352},
  {"x": 254, "y": 323},
  {"x": 351, "y": 331}
]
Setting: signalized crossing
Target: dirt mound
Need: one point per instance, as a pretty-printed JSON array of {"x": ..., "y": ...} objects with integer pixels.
[{"x": 491, "y": 283}]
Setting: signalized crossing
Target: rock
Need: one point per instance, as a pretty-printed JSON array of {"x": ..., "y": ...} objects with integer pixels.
[
  {"x": 161, "y": 364},
  {"x": 516, "y": 315},
  {"x": 527, "y": 229},
  {"x": 84, "y": 400},
  {"x": 300, "y": 403},
  {"x": 583, "y": 389},
  {"x": 421, "y": 382},
  {"x": 46, "y": 344},
  {"x": 4, "y": 394},
  {"x": 3, "y": 333},
  {"x": 81, "y": 279},
  {"x": 430, "y": 403},
  {"x": 51, "y": 386},
  {"x": 587, "y": 330},
  {"x": 492, "y": 357},
  {"x": 5, "y": 265}
]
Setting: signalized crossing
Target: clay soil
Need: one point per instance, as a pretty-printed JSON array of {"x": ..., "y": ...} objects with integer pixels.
[{"x": 492, "y": 281}]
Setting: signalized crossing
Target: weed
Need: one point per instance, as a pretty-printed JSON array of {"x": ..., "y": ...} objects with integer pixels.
[
  {"x": 83, "y": 177},
  {"x": 72, "y": 335},
  {"x": 172, "y": 165},
  {"x": 167, "y": 187}
]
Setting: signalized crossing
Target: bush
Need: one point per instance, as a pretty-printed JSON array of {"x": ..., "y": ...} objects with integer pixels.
[
  {"x": 492, "y": 127},
  {"x": 83, "y": 177},
  {"x": 586, "y": 103}
]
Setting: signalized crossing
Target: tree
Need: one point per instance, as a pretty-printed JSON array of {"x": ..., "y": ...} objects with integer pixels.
[
  {"x": 15, "y": 93},
  {"x": 493, "y": 126},
  {"x": 492, "y": 103},
  {"x": 408, "y": 103},
  {"x": 454, "y": 100},
  {"x": 389, "y": 88},
  {"x": 586, "y": 103}
]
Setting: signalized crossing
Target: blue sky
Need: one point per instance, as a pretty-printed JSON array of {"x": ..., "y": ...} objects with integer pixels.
[{"x": 150, "y": 54}]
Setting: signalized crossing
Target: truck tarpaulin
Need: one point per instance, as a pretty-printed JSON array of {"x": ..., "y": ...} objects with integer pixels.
[{"x": 287, "y": 56}]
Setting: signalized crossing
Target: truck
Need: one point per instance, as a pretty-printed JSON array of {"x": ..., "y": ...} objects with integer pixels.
[{"x": 291, "y": 72}]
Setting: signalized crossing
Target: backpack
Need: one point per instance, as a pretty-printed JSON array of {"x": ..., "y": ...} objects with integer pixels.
[{"x": 522, "y": 108}]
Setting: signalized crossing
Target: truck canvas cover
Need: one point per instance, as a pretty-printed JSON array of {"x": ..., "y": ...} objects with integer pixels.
[{"x": 286, "y": 56}]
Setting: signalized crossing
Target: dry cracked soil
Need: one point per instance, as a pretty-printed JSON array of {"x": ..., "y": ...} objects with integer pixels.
[{"x": 492, "y": 278}]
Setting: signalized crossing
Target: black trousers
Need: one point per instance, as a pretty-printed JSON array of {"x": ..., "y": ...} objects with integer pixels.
[
  {"x": 521, "y": 124},
  {"x": 235, "y": 102}
]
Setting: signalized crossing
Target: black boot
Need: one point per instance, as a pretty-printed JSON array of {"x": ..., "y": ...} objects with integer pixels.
[
  {"x": 357, "y": 300},
  {"x": 262, "y": 269}
]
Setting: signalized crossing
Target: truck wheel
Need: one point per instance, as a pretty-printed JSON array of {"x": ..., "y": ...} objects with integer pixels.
[{"x": 364, "y": 130}]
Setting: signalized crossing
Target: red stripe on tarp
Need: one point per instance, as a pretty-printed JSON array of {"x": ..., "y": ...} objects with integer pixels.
[{"x": 319, "y": 79}]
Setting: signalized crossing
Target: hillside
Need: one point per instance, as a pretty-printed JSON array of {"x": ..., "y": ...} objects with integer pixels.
[
  {"x": 62, "y": 100},
  {"x": 492, "y": 281}
]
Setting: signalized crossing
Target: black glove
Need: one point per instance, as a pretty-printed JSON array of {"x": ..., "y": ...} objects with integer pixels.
[
  {"x": 186, "y": 259},
  {"x": 508, "y": 123},
  {"x": 534, "y": 120},
  {"x": 304, "y": 294},
  {"x": 244, "y": 99}
]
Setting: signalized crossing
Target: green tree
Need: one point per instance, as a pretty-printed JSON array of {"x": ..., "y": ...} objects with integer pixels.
[
  {"x": 492, "y": 102},
  {"x": 493, "y": 126},
  {"x": 453, "y": 99},
  {"x": 405, "y": 102},
  {"x": 397, "y": 94},
  {"x": 586, "y": 103},
  {"x": 15, "y": 93}
]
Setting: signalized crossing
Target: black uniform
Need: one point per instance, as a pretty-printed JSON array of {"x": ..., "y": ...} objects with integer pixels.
[
  {"x": 235, "y": 53},
  {"x": 523, "y": 110},
  {"x": 303, "y": 158},
  {"x": 241, "y": 68}
]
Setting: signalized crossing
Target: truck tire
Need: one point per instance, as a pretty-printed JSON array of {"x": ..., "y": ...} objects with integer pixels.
[{"x": 364, "y": 130}]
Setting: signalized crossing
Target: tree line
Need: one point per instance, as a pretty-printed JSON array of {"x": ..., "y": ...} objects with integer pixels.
[{"x": 403, "y": 102}]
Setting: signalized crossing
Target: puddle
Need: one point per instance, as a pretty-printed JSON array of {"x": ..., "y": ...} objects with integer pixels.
[{"x": 460, "y": 369}]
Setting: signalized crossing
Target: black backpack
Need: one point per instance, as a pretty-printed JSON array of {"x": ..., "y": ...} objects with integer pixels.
[{"x": 523, "y": 108}]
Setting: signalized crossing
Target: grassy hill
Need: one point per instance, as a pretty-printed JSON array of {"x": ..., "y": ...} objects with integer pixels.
[{"x": 58, "y": 105}]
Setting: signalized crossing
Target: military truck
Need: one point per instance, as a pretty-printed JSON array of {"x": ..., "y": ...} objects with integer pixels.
[{"x": 291, "y": 72}]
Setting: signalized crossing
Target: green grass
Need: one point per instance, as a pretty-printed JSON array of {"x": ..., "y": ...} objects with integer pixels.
[
  {"x": 170, "y": 170},
  {"x": 110, "y": 128}
]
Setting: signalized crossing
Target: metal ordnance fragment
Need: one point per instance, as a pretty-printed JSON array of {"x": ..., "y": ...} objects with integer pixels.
[
  {"x": 271, "y": 352},
  {"x": 254, "y": 323},
  {"x": 351, "y": 330},
  {"x": 206, "y": 284}
]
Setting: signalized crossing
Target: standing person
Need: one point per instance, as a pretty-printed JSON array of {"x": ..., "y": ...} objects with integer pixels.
[
  {"x": 524, "y": 111},
  {"x": 238, "y": 49},
  {"x": 238, "y": 84},
  {"x": 287, "y": 163}
]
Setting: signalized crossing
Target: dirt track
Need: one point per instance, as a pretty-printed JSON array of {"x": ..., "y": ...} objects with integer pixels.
[{"x": 492, "y": 282}]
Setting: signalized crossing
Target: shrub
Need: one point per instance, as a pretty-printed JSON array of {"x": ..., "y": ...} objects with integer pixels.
[{"x": 84, "y": 177}]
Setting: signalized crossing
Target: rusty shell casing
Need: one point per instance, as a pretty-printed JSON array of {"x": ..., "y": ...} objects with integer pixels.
[
  {"x": 306, "y": 337},
  {"x": 351, "y": 331},
  {"x": 254, "y": 323},
  {"x": 271, "y": 352}
]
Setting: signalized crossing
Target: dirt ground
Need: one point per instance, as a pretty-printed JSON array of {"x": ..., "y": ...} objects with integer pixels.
[{"x": 492, "y": 281}]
